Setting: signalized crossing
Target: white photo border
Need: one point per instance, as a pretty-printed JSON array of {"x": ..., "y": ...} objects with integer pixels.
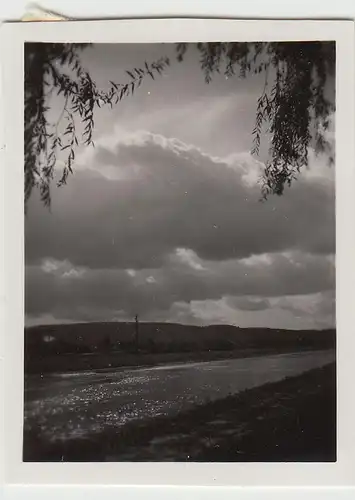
[{"x": 12, "y": 37}]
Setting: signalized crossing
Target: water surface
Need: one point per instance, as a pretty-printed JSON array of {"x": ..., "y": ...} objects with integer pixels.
[{"x": 68, "y": 405}]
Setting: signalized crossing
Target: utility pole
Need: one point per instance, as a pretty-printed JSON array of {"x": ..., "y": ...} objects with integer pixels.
[{"x": 136, "y": 332}]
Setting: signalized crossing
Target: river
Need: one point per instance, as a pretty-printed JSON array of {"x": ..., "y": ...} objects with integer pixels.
[{"x": 74, "y": 404}]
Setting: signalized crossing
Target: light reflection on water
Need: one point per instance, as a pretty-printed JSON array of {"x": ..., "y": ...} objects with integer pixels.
[{"x": 71, "y": 405}]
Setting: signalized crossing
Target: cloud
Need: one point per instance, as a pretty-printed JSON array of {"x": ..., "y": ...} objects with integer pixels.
[
  {"x": 249, "y": 303},
  {"x": 190, "y": 258},
  {"x": 163, "y": 218},
  {"x": 226, "y": 311},
  {"x": 139, "y": 197},
  {"x": 246, "y": 285},
  {"x": 317, "y": 307}
]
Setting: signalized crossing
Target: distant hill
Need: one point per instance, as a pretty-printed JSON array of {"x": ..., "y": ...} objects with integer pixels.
[{"x": 167, "y": 337}]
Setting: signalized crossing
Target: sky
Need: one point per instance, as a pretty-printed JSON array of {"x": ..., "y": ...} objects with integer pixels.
[{"x": 163, "y": 217}]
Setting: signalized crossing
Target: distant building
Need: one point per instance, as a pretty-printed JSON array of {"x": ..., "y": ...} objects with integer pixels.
[{"x": 48, "y": 338}]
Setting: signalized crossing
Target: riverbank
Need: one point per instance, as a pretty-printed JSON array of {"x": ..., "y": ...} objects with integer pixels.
[
  {"x": 100, "y": 346},
  {"x": 291, "y": 420},
  {"x": 68, "y": 363}
]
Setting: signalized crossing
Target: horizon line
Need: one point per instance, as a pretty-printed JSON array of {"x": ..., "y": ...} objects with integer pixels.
[{"x": 43, "y": 325}]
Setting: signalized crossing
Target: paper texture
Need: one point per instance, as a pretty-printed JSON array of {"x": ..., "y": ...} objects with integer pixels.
[{"x": 35, "y": 13}]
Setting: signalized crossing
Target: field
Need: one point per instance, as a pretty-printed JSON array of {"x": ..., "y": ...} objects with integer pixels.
[{"x": 88, "y": 346}]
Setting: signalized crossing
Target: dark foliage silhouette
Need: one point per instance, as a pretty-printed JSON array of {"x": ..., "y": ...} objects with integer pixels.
[{"x": 293, "y": 109}]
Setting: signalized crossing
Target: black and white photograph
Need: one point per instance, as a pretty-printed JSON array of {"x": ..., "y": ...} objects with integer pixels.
[{"x": 180, "y": 252}]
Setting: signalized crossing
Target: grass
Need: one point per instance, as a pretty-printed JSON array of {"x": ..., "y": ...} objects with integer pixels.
[
  {"x": 97, "y": 346},
  {"x": 66, "y": 363},
  {"x": 291, "y": 420}
]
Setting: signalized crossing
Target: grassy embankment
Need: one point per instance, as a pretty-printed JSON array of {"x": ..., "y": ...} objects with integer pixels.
[
  {"x": 64, "y": 363},
  {"x": 291, "y": 420}
]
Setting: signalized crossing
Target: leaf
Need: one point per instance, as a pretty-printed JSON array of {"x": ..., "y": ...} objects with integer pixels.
[{"x": 114, "y": 85}]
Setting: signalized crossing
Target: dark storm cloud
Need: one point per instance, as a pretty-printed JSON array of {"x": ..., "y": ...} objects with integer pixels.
[
  {"x": 158, "y": 227},
  {"x": 164, "y": 195},
  {"x": 107, "y": 293}
]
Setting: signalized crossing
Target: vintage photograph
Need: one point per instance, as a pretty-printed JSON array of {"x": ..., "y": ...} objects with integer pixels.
[{"x": 180, "y": 252}]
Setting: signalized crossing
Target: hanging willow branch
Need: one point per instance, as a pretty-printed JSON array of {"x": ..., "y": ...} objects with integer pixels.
[
  {"x": 57, "y": 68},
  {"x": 292, "y": 109}
]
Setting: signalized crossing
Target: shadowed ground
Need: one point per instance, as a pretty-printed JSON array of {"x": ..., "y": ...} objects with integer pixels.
[
  {"x": 72, "y": 405},
  {"x": 290, "y": 420}
]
